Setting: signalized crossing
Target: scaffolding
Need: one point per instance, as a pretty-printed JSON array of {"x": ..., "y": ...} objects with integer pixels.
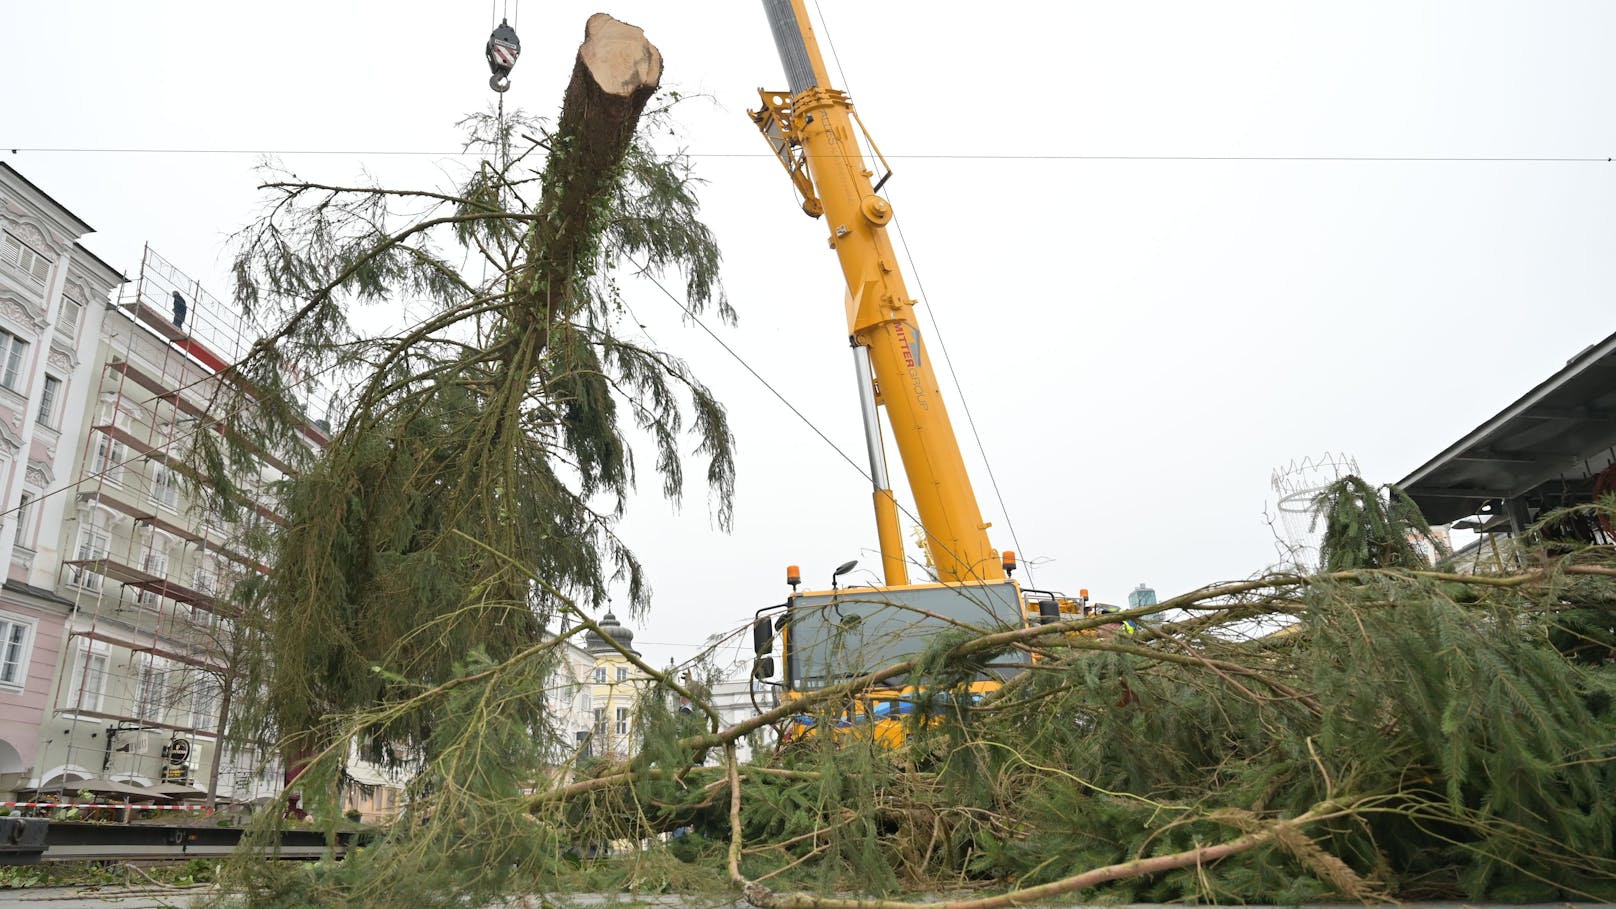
[{"x": 152, "y": 560}]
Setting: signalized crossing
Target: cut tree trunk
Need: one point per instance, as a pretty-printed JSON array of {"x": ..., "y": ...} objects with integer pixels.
[{"x": 616, "y": 73}]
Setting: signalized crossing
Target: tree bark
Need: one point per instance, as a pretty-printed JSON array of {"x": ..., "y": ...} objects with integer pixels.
[{"x": 616, "y": 72}]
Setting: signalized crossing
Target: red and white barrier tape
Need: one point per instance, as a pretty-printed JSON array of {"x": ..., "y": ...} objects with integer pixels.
[{"x": 111, "y": 805}]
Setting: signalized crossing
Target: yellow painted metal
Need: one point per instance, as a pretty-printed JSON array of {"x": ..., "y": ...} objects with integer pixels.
[
  {"x": 813, "y": 135},
  {"x": 774, "y": 119},
  {"x": 859, "y": 719},
  {"x": 893, "y": 566}
]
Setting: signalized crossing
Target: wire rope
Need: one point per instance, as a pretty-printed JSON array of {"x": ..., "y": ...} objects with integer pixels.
[
  {"x": 985, "y": 156},
  {"x": 851, "y": 461},
  {"x": 959, "y": 391}
]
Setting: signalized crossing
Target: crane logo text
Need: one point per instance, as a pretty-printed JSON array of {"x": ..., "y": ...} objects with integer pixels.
[{"x": 911, "y": 360}]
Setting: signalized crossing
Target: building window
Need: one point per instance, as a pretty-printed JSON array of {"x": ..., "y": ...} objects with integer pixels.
[
  {"x": 153, "y": 690},
  {"x": 67, "y": 321},
  {"x": 165, "y": 487},
  {"x": 213, "y": 521},
  {"x": 622, "y": 673},
  {"x": 600, "y": 675},
  {"x": 92, "y": 546},
  {"x": 204, "y": 702},
  {"x": 155, "y": 563},
  {"x": 47, "y": 401},
  {"x": 25, "y": 511},
  {"x": 109, "y": 456},
  {"x": 89, "y": 678},
  {"x": 14, "y": 635},
  {"x": 206, "y": 582},
  {"x": 12, "y": 349},
  {"x": 600, "y": 722},
  {"x": 26, "y": 259},
  {"x": 622, "y": 721}
]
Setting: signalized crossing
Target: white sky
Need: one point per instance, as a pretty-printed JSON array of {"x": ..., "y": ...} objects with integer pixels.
[{"x": 1140, "y": 342}]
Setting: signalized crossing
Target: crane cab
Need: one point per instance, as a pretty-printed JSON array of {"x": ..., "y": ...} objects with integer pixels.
[{"x": 829, "y": 637}]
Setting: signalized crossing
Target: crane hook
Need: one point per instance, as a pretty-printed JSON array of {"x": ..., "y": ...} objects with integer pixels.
[{"x": 502, "y": 50}]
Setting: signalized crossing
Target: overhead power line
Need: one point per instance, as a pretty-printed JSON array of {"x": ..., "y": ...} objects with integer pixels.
[{"x": 1419, "y": 159}]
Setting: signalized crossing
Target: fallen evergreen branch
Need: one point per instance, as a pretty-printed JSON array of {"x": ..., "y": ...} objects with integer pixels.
[{"x": 763, "y": 898}]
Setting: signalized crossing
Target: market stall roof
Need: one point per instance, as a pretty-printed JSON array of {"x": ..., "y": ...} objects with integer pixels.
[
  {"x": 179, "y": 791},
  {"x": 99, "y": 786},
  {"x": 1543, "y": 451}
]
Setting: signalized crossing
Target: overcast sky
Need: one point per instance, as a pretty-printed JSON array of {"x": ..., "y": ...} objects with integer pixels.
[{"x": 1140, "y": 340}]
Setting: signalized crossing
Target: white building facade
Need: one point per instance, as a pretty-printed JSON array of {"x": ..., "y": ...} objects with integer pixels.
[
  {"x": 52, "y": 298},
  {"x": 115, "y": 620}
]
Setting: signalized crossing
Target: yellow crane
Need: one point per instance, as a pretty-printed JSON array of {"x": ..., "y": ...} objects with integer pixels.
[{"x": 813, "y": 130}]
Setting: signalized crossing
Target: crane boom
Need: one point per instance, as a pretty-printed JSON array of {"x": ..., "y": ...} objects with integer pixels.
[{"x": 811, "y": 129}]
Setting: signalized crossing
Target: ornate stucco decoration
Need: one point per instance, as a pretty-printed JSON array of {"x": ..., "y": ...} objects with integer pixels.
[
  {"x": 10, "y": 441},
  {"x": 26, "y": 230},
  {"x": 39, "y": 475},
  {"x": 21, "y": 310}
]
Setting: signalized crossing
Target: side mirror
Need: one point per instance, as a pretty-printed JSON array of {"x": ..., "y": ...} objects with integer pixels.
[
  {"x": 1048, "y": 612},
  {"x": 763, "y": 638},
  {"x": 763, "y": 668}
]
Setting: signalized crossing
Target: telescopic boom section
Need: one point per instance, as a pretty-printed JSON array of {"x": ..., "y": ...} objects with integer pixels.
[{"x": 811, "y": 130}]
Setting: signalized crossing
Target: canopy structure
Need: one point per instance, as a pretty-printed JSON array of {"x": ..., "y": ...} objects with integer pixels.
[
  {"x": 100, "y": 786},
  {"x": 1553, "y": 447},
  {"x": 179, "y": 791}
]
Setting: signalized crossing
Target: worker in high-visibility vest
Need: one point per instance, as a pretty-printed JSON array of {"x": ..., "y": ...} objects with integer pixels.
[{"x": 1128, "y": 626}]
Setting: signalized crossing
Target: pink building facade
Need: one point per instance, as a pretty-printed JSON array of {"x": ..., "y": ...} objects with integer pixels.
[{"x": 53, "y": 293}]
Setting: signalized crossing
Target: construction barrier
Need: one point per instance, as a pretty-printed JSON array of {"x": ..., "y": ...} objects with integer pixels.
[{"x": 98, "y": 805}]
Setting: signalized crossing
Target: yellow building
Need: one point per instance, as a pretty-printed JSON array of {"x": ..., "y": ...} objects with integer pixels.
[{"x": 613, "y": 687}]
